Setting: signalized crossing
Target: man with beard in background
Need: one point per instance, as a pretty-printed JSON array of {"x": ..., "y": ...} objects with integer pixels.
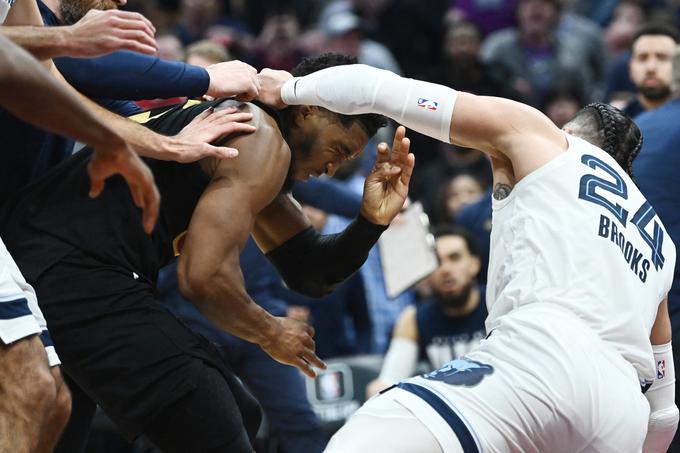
[
  {"x": 446, "y": 326},
  {"x": 651, "y": 67}
]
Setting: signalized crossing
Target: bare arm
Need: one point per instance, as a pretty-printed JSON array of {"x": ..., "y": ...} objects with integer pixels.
[
  {"x": 499, "y": 127},
  {"x": 664, "y": 415},
  {"x": 661, "y": 330},
  {"x": 401, "y": 358},
  {"x": 208, "y": 270},
  {"x": 97, "y": 33}
]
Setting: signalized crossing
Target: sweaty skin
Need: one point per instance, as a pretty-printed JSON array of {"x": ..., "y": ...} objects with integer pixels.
[{"x": 244, "y": 197}]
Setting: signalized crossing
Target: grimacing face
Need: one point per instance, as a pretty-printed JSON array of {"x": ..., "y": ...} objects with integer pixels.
[
  {"x": 321, "y": 143},
  {"x": 74, "y": 10},
  {"x": 457, "y": 266},
  {"x": 651, "y": 65}
]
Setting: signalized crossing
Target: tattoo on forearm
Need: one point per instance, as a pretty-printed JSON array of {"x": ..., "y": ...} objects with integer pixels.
[{"x": 501, "y": 191}]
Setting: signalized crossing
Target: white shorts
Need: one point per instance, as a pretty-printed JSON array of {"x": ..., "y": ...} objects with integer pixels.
[
  {"x": 20, "y": 316},
  {"x": 542, "y": 382}
]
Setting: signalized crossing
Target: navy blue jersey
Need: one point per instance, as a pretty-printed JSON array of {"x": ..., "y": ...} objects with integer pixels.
[
  {"x": 442, "y": 338},
  {"x": 476, "y": 218},
  {"x": 656, "y": 174}
]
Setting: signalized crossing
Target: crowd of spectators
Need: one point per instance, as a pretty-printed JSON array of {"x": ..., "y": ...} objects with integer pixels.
[{"x": 556, "y": 55}]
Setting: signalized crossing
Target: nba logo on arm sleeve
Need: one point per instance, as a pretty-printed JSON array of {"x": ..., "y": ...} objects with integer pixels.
[
  {"x": 660, "y": 369},
  {"x": 428, "y": 104}
]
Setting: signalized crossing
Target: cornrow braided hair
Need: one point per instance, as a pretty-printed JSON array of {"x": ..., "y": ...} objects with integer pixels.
[{"x": 622, "y": 137}]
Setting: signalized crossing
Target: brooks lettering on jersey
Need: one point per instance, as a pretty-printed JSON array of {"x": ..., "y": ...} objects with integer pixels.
[{"x": 631, "y": 254}]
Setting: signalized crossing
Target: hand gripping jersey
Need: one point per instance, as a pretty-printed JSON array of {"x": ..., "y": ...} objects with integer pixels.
[{"x": 578, "y": 234}]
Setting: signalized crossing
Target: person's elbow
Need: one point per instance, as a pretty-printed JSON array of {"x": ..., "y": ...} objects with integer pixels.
[
  {"x": 309, "y": 287},
  {"x": 193, "y": 282}
]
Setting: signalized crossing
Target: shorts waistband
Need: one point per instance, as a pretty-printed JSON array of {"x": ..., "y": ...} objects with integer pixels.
[{"x": 459, "y": 428}]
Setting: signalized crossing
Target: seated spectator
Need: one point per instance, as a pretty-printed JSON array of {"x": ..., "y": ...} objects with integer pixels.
[
  {"x": 206, "y": 53},
  {"x": 462, "y": 67},
  {"x": 476, "y": 218},
  {"x": 277, "y": 45},
  {"x": 562, "y": 101},
  {"x": 651, "y": 67},
  {"x": 546, "y": 44},
  {"x": 449, "y": 162},
  {"x": 489, "y": 16},
  {"x": 458, "y": 192},
  {"x": 448, "y": 325},
  {"x": 345, "y": 34},
  {"x": 629, "y": 16}
]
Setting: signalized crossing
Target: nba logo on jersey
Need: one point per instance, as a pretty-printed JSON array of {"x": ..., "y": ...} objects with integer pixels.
[
  {"x": 428, "y": 104},
  {"x": 660, "y": 369}
]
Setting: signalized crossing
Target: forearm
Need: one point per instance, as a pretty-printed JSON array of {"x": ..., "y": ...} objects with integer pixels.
[
  {"x": 357, "y": 89},
  {"x": 225, "y": 302},
  {"x": 314, "y": 265},
  {"x": 41, "y": 42},
  {"x": 25, "y": 83},
  {"x": 133, "y": 76},
  {"x": 144, "y": 141},
  {"x": 664, "y": 415}
]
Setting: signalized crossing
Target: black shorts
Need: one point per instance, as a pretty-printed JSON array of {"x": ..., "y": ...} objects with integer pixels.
[{"x": 125, "y": 350}]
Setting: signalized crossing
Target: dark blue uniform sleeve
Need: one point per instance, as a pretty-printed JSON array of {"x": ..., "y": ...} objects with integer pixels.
[
  {"x": 133, "y": 76},
  {"x": 329, "y": 196}
]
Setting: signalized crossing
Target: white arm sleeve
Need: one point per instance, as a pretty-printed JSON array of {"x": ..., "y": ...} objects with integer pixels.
[
  {"x": 663, "y": 417},
  {"x": 356, "y": 89},
  {"x": 400, "y": 361}
]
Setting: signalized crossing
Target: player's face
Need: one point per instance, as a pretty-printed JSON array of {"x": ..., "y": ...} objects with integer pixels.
[
  {"x": 457, "y": 267},
  {"x": 651, "y": 65},
  {"x": 321, "y": 144},
  {"x": 74, "y": 10}
]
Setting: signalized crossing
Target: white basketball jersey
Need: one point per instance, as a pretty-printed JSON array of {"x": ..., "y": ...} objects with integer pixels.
[
  {"x": 578, "y": 233},
  {"x": 5, "y": 5}
]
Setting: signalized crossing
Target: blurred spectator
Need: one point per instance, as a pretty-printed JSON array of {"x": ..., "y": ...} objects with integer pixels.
[
  {"x": 562, "y": 101},
  {"x": 629, "y": 16},
  {"x": 277, "y": 45},
  {"x": 488, "y": 15},
  {"x": 651, "y": 67},
  {"x": 206, "y": 53},
  {"x": 448, "y": 325},
  {"x": 546, "y": 44},
  {"x": 344, "y": 34},
  {"x": 458, "y": 192},
  {"x": 450, "y": 161},
  {"x": 656, "y": 174},
  {"x": 170, "y": 47},
  {"x": 462, "y": 68},
  {"x": 476, "y": 218},
  {"x": 386, "y": 22},
  {"x": 197, "y": 16}
]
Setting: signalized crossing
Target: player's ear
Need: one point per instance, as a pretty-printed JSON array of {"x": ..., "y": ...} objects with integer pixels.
[{"x": 304, "y": 113}]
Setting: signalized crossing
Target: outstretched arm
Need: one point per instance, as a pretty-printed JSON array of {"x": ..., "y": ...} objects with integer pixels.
[
  {"x": 97, "y": 33},
  {"x": 499, "y": 127},
  {"x": 313, "y": 264},
  {"x": 663, "y": 417},
  {"x": 24, "y": 83}
]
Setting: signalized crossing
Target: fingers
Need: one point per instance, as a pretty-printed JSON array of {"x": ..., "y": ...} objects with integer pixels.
[
  {"x": 134, "y": 20},
  {"x": 310, "y": 357},
  {"x": 397, "y": 143},
  {"x": 383, "y": 155},
  {"x": 407, "y": 169},
  {"x": 222, "y": 152},
  {"x": 134, "y": 46},
  {"x": 304, "y": 367},
  {"x": 96, "y": 185},
  {"x": 152, "y": 202}
]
